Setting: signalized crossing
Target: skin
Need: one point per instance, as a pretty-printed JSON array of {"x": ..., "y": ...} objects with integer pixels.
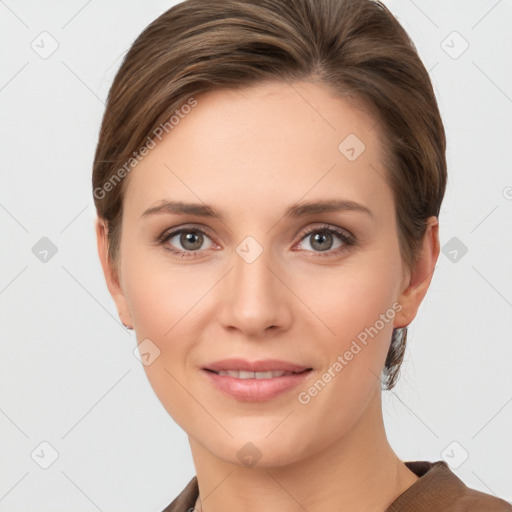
[{"x": 251, "y": 154}]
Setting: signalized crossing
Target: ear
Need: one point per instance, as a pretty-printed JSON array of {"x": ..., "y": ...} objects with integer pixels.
[
  {"x": 418, "y": 279},
  {"x": 111, "y": 273}
]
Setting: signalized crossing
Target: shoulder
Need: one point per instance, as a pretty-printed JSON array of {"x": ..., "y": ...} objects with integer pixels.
[
  {"x": 438, "y": 488},
  {"x": 186, "y": 500},
  {"x": 476, "y": 501}
]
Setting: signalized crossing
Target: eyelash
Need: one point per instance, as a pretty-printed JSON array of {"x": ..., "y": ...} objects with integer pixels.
[{"x": 346, "y": 239}]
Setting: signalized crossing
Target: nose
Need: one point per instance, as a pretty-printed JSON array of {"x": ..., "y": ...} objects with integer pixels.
[{"x": 255, "y": 300}]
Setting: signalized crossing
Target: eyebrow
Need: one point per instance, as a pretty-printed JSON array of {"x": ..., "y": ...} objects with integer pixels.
[{"x": 296, "y": 210}]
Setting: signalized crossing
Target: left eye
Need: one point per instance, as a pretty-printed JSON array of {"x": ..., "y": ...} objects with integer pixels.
[{"x": 324, "y": 239}]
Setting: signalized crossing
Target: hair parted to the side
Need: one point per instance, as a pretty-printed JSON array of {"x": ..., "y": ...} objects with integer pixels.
[{"x": 356, "y": 48}]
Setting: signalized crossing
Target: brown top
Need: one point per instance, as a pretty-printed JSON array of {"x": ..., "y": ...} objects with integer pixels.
[{"x": 437, "y": 490}]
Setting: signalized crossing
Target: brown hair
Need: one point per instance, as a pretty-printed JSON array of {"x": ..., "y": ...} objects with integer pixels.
[{"x": 355, "y": 47}]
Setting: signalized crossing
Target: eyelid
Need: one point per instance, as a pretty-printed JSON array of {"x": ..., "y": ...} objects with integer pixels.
[
  {"x": 328, "y": 227},
  {"x": 304, "y": 231},
  {"x": 168, "y": 233},
  {"x": 345, "y": 236}
]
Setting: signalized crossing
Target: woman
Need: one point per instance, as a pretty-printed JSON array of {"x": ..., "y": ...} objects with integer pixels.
[{"x": 268, "y": 180}]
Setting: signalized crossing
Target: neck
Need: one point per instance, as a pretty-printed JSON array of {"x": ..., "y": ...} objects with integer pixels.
[{"x": 357, "y": 472}]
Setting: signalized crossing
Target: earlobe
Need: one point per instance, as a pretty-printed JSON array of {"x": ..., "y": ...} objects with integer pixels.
[
  {"x": 420, "y": 276},
  {"x": 111, "y": 273}
]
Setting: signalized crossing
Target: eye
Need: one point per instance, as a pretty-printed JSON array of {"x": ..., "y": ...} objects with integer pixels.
[
  {"x": 186, "y": 241},
  {"x": 323, "y": 241},
  {"x": 327, "y": 239}
]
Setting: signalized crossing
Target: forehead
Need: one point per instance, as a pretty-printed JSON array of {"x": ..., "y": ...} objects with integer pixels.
[{"x": 266, "y": 145}]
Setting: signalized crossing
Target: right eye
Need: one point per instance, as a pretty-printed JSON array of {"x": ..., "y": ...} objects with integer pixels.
[{"x": 185, "y": 241}]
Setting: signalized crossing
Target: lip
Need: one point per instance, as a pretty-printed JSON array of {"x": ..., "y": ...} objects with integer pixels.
[
  {"x": 263, "y": 365},
  {"x": 255, "y": 390}
]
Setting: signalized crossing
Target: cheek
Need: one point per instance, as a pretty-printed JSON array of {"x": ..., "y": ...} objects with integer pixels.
[
  {"x": 167, "y": 306},
  {"x": 160, "y": 295},
  {"x": 156, "y": 306},
  {"x": 357, "y": 305},
  {"x": 352, "y": 297}
]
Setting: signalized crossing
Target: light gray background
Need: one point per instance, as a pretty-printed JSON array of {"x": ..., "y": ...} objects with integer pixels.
[{"x": 68, "y": 373}]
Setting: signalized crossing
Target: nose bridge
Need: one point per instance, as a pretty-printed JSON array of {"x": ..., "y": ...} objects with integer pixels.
[
  {"x": 254, "y": 299},
  {"x": 251, "y": 267}
]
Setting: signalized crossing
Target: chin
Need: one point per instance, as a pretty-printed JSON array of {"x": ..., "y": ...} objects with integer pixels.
[{"x": 256, "y": 449}]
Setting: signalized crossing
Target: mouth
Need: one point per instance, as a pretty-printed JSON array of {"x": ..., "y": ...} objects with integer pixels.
[
  {"x": 257, "y": 381},
  {"x": 243, "y": 374},
  {"x": 259, "y": 369}
]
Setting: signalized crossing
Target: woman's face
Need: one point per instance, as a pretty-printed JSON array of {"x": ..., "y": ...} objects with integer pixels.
[{"x": 252, "y": 284}]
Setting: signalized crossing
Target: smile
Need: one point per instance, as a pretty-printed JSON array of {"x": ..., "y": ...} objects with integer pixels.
[
  {"x": 255, "y": 386},
  {"x": 241, "y": 374}
]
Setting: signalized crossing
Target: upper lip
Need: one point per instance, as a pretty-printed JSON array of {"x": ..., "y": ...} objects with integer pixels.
[{"x": 263, "y": 365}]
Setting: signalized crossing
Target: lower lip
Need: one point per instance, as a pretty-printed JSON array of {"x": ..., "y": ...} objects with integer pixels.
[{"x": 256, "y": 390}]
